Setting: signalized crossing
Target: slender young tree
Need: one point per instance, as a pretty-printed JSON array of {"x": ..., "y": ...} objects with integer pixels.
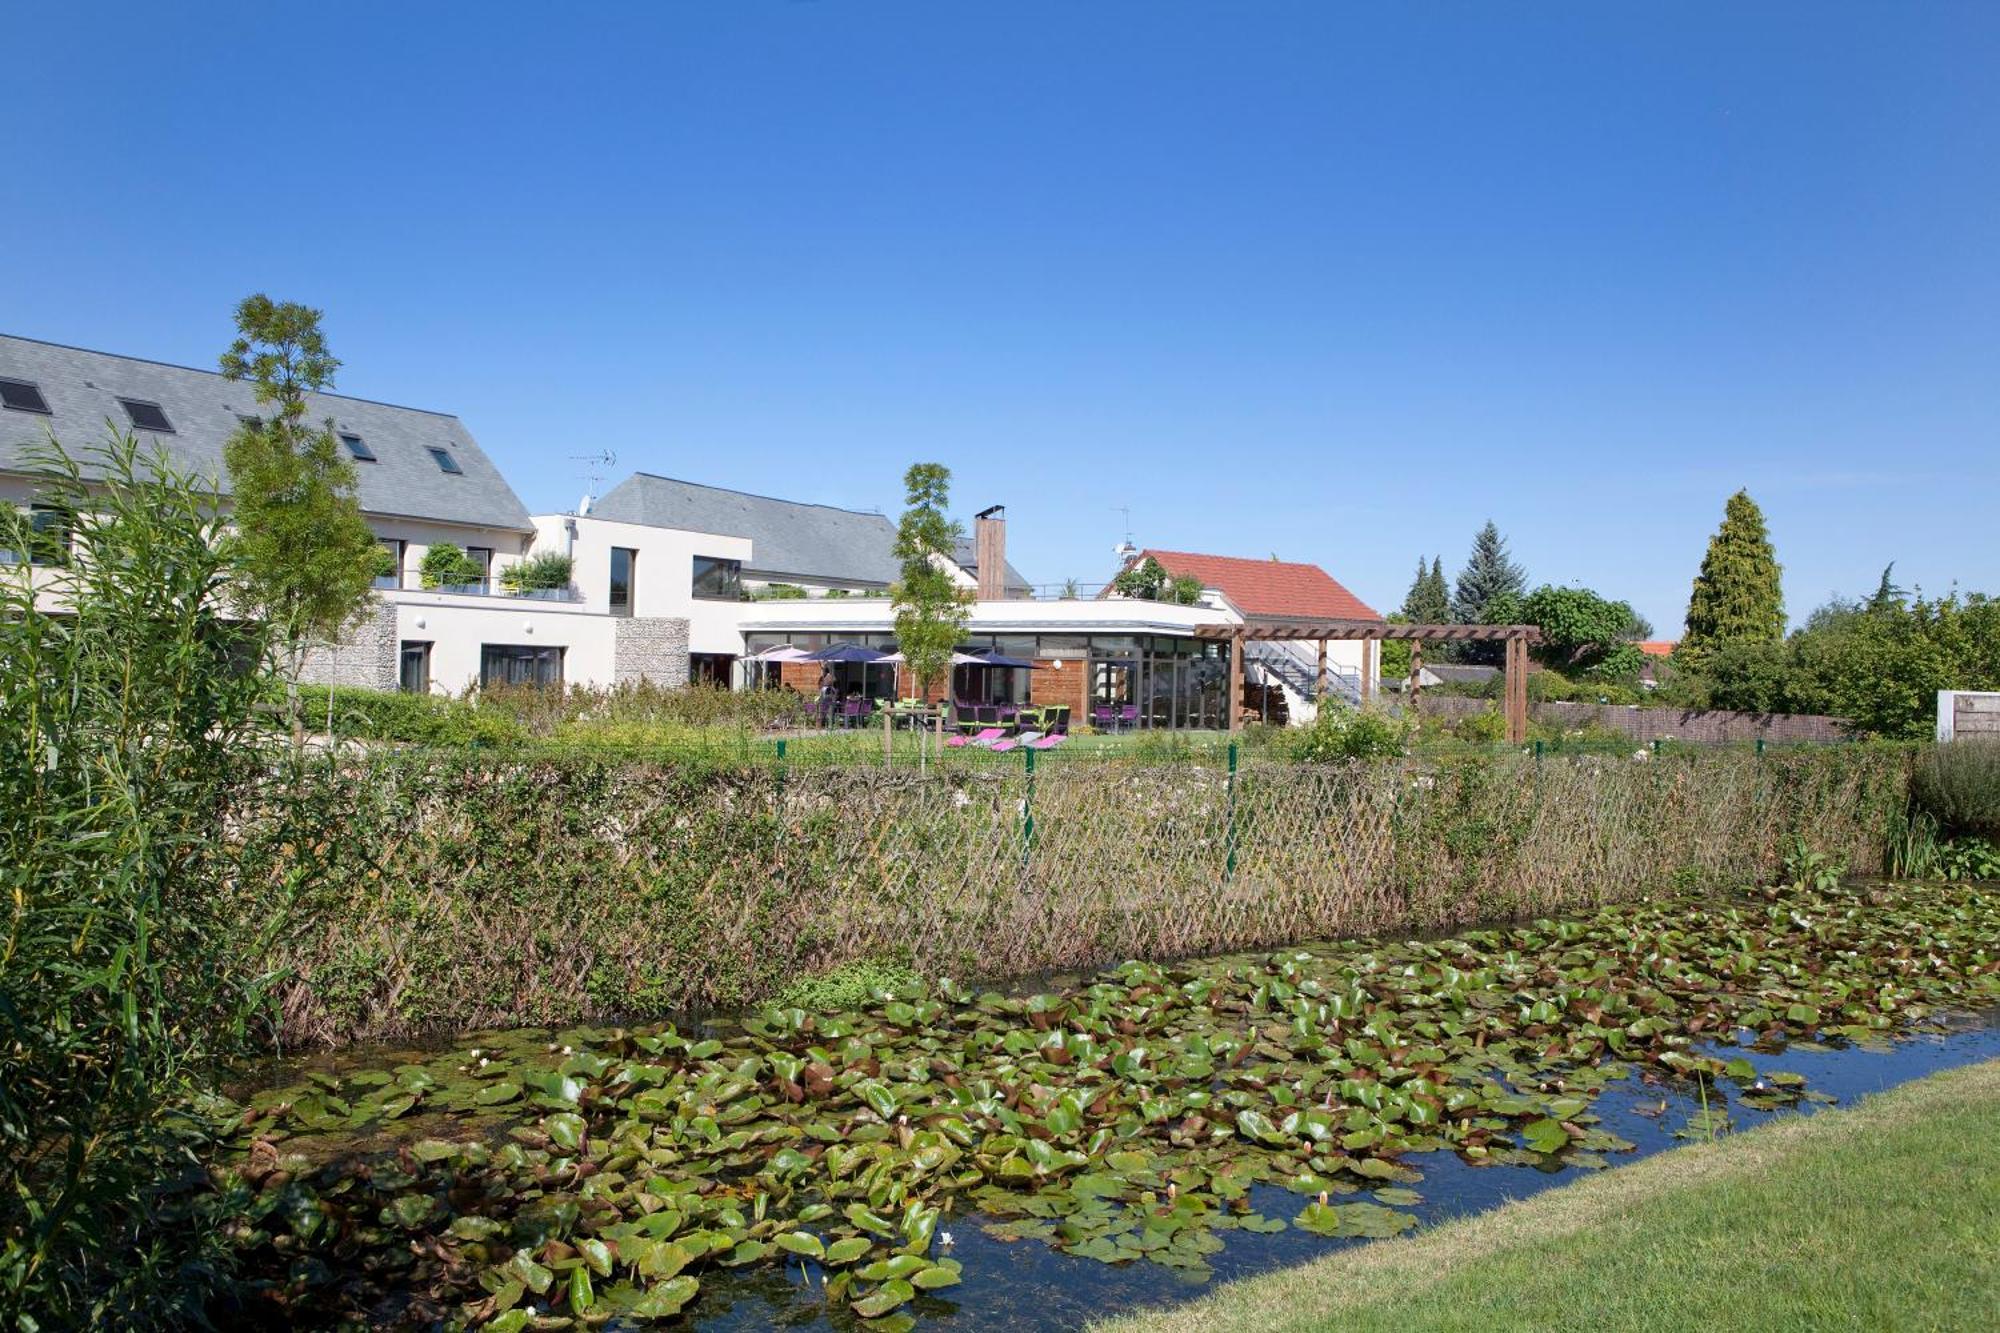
[
  {"x": 1737, "y": 596},
  {"x": 309, "y": 558},
  {"x": 931, "y": 608}
]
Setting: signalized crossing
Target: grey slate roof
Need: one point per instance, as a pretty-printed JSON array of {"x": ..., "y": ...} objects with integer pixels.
[
  {"x": 788, "y": 539},
  {"x": 82, "y": 389}
]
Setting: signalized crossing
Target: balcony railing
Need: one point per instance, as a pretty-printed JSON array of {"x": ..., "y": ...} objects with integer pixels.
[{"x": 567, "y": 594}]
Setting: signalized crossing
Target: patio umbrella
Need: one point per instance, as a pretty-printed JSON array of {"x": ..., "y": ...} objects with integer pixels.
[
  {"x": 997, "y": 659},
  {"x": 783, "y": 652},
  {"x": 844, "y": 652},
  {"x": 958, "y": 659}
]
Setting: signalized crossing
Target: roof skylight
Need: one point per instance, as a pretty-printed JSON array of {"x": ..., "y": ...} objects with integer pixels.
[
  {"x": 147, "y": 416},
  {"x": 23, "y": 397},
  {"x": 358, "y": 447},
  {"x": 445, "y": 462}
]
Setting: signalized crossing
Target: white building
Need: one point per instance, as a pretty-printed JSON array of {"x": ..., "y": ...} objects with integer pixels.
[{"x": 673, "y": 580}]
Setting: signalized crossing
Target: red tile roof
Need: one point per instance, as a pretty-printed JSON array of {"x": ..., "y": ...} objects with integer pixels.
[
  {"x": 1658, "y": 647},
  {"x": 1268, "y": 587}
]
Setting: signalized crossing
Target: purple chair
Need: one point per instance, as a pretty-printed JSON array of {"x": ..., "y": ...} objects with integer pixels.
[
  {"x": 852, "y": 711},
  {"x": 1128, "y": 716},
  {"x": 1103, "y": 716}
]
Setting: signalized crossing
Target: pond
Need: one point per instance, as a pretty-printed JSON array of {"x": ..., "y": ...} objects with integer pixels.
[{"x": 1028, "y": 1162}]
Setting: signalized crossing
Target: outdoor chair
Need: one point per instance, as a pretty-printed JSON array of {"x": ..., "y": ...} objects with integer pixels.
[
  {"x": 1016, "y": 742},
  {"x": 1104, "y": 717},
  {"x": 987, "y": 715},
  {"x": 982, "y": 738},
  {"x": 1050, "y": 741},
  {"x": 1059, "y": 724},
  {"x": 1128, "y": 716},
  {"x": 852, "y": 711}
]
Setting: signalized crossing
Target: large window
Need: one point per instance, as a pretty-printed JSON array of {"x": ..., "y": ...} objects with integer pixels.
[
  {"x": 392, "y": 576},
  {"x": 48, "y": 538},
  {"x": 710, "y": 669},
  {"x": 717, "y": 579},
  {"x": 413, "y": 674},
  {"x": 482, "y": 559},
  {"x": 624, "y": 569},
  {"x": 519, "y": 664}
]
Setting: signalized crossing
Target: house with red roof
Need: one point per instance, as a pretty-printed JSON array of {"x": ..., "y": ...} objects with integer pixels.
[{"x": 1286, "y": 679}]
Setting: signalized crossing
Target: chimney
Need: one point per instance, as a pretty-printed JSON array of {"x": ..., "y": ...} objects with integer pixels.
[{"x": 989, "y": 551}]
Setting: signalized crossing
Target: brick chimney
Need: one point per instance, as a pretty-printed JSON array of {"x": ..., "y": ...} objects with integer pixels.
[{"x": 989, "y": 551}]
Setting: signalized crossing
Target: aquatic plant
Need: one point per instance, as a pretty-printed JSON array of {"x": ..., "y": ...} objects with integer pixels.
[{"x": 613, "y": 1171}]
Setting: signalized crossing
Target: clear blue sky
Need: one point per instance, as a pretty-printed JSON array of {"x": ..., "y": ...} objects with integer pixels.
[{"x": 1331, "y": 282}]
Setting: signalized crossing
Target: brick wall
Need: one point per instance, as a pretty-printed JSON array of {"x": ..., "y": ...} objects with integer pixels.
[
  {"x": 1709, "y": 726},
  {"x": 1066, "y": 684},
  {"x": 367, "y": 657}
]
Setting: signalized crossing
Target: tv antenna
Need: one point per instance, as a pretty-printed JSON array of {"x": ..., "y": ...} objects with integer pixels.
[
  {"x": 595, "y": 466},
  {"x": 1125, "y": 550}
]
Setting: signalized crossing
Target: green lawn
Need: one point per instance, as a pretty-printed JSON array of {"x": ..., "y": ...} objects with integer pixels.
[{"x": 1882, "y": 1216}]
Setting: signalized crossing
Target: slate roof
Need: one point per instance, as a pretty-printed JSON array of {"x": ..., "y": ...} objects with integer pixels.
[
  {"x": 1268, "y": 587},
  {"x": 82, "y": 389},
  {"x": 789, "y": 539}
]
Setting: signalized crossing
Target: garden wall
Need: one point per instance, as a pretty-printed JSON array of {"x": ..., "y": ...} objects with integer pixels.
[
  {"x": 452, "y": 893},
  {"x": 1706, "y": 726}
]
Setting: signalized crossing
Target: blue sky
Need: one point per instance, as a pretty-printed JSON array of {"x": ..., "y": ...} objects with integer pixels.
[{"x": 1331, "y": 282}]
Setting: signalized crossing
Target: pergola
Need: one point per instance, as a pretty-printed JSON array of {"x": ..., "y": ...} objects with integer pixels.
[{"x": 1516, "y": 637}]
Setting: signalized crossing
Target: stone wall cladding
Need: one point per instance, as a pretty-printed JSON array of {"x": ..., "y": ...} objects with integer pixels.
[
  {"x": 651, "y": 648},
  {"x": 1707, "y": 726},
  {"x": 366, "y": 658}
]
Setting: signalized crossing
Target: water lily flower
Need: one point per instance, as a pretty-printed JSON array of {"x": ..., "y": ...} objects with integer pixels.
[{"x": 944, "y": 1239}]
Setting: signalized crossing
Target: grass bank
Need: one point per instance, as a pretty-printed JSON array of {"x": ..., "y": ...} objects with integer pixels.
[{"x": 1882, "y": 1216}]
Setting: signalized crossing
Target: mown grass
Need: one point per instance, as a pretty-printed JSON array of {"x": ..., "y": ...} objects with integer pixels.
[{"x": 1883, "y": 1216}]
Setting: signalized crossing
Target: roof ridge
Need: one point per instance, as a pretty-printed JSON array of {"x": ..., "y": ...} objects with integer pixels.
[
  {"x": 197, "y": 370},
  {"x": 754, "y": 495}
]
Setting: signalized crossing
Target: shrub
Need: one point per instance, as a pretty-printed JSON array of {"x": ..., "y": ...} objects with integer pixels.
[
  {"x": 445, "y": 565},
  {"x": 132, "y": 725},
  {"x": 1958, "y": 784},
  {"x": 779, "y": 592},
  {"x": 420, "y": 719},
  {"x": 1488, "y": 728},
  {"x": 540, "y": 571},
  {"x": 1340, "y": 732}
]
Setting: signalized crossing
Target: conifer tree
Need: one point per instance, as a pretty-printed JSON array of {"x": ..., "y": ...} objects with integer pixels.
[
  {"x": 1428, "y": 602},
  {"x": 1737, "y": 597},
  {"x": 1488, "y": 592}
]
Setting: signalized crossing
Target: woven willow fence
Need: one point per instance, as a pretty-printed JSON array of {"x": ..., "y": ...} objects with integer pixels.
[{"x": 453, "y": 893}]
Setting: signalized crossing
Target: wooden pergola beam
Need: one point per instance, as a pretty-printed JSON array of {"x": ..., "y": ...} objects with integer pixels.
[{"x": 1347, "y": 631}]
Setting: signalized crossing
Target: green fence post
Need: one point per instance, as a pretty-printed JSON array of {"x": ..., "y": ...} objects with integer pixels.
[
  {"x": 1760, "y": 747},
  {"x": 1028, "y": 804},
  {"x": 1229, "y": 817}
]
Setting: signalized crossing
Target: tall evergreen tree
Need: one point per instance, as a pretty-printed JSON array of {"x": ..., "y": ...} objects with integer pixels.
[
  {"x": 1737, "y": 597},
  {"x": 1490, "y": 580},
  {"x": 1428, "y": 602},
  {"x": 1489, "y": 591}
]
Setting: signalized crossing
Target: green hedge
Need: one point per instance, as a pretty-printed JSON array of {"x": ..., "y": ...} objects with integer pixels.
[
  {"x": 423, "y": 719},
  {"x": 451, "y": 891}
]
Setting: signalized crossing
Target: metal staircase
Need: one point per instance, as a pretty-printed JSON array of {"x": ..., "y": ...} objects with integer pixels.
[{"x": 1296, "y": 667}]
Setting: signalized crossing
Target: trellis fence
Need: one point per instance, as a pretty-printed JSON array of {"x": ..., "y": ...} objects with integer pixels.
[{"x": 458, "y": 893}]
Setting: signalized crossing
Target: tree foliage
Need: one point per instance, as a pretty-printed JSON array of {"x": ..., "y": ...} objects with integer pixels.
[
  {"x": 1737, "y": 597},
  {"x": 309, "y": 559},
  {"x": 1147, "y": 580},
  {"x": 1877, "y": 663},
  {"x": 931, "y": 608},
  {"x": 1488, "y": 592},
  {"x": 130, "y": 717},
  {"x": 1582, "y": 632},
  {"x": 1428, "y": 601}
]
